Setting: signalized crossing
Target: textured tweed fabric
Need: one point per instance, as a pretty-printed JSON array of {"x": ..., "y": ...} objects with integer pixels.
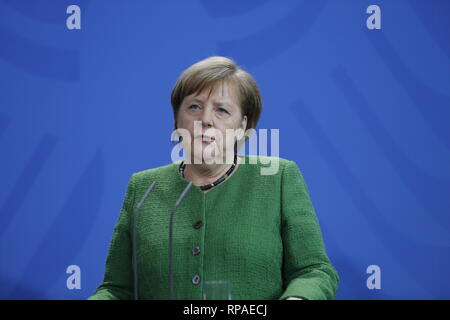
[{"x": 258, "y": 231}]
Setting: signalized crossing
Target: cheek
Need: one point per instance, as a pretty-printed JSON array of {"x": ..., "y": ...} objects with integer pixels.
[
  {"x": 225, "y": 141},
  {"x": 184, "y": 123}
]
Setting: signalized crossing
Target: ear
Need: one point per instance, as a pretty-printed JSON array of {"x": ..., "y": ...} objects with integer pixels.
[
  {"x": 244, "y": 123},
  {"x": 243, "y": 126}
]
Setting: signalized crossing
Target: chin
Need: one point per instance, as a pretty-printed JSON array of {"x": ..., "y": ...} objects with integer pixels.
[{"x": 211, "y": 160}]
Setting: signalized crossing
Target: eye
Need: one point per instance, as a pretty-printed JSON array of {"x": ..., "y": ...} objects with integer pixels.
[
  {"x": 194, "y": 107},
  {"x": 222, "y": 110}
]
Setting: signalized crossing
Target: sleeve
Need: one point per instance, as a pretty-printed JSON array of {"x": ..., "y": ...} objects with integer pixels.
[
  {"x": 118, "y": 278},
  {"x": 307, "y": 270}
]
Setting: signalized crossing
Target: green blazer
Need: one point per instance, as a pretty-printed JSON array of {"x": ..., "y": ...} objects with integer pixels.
[{"x": 258, "y": 231}]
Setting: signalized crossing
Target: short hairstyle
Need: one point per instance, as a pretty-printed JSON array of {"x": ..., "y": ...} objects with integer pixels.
[{"x": 207, "y": 73}]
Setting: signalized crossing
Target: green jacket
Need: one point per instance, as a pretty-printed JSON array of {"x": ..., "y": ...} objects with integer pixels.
[{"x": 258, "y": 231}]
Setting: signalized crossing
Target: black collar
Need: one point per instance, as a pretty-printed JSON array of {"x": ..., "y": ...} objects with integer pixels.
[{"x": 218, "y": 181}]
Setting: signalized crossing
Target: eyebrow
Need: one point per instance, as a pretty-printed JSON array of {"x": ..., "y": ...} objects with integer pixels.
[{"x": 216, "y": 102}]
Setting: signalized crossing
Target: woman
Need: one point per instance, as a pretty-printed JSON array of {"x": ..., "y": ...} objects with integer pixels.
[{"x": 258, "y": 231}]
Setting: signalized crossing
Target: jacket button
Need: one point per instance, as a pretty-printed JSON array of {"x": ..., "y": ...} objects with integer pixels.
[
  {"x": 195, "y": 250},
  {"x": 198, "y": 224},
  {"x": 196, "y": 279}
]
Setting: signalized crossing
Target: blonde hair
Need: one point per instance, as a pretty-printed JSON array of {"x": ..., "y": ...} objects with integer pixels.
[{"x": 207, "y": 73}]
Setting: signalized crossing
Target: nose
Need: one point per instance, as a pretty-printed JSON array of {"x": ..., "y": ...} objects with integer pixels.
[{"x": 207, "y": 117}]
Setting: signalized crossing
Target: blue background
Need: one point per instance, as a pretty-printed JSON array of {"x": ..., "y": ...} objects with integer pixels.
[{"x": 364, "y": 113}]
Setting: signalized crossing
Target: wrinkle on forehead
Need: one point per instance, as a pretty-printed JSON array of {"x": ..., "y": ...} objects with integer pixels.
[{"x": 225, "y": 87}]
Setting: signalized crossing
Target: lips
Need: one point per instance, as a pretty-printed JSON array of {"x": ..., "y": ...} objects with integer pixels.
[{"x": 207, "y": 138}]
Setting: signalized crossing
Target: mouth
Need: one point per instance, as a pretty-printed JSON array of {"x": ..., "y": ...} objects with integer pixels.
[{"x": 207, "y": 139}]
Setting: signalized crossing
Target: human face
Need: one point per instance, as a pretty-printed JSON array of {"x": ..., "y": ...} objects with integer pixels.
[{"x": 212, "y": 118}]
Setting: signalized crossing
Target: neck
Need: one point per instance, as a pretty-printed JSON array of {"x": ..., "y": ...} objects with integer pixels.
[
  {"x": 205, "y": 173},
  {"x": 202, "y": 174}
]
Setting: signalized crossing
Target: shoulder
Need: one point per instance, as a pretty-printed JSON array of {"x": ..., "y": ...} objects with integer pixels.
[
  {"x": 271, "y": 165},
  {"x": 262, "y": 160},
  {"x": 163, "y": 173},
  {"x": 162, "y": 170}
]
